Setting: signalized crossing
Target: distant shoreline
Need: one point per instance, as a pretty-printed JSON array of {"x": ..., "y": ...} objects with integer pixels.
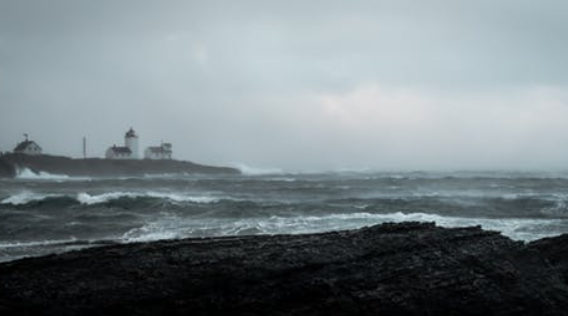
[{"x": 10, "y": 164}]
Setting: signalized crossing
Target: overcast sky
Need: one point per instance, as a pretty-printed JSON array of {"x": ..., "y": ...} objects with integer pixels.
[{"x": 295, "y": 85}]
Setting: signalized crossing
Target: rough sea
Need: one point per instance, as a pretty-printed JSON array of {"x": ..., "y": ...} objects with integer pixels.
[{"x": 44, "y": 214}]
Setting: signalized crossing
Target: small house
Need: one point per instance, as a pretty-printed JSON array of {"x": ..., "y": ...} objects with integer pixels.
[
  {"x": 28, "y": 147},
  {"x": 162, "y": 152},
  {"x": 116, "y": 152}
]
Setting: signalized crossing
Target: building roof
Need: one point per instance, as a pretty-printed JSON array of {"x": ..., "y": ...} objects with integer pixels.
[
  {"x": 23, "y": 145},
  {"x": 121, "y": 150},
  {"x": 130, "y": 133}
]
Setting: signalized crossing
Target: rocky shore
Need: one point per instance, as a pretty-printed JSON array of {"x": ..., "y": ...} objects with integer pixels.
[
  {"x": 390, "y": 269},
  {"x": 95, "y": 167}
]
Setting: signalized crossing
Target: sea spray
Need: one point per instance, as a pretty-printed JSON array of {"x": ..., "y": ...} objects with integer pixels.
[
  {"x": 84, "y": 198},
  {"x": 27, "y": 174},
  {"x": 98, "y": 211}
]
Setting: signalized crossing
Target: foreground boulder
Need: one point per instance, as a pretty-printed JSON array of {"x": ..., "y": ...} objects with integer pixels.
[
  {"x": 554, "y": 249},
  {"x": 390, "y": 269}
]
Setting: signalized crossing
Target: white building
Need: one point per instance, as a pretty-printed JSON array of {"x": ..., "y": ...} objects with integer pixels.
[
  {"x": 164, "y": 151},
  {"x": 28, "y": 147},
  {"x": 130, "y": 149},
  {"x": 116, "y": 152},
  {"x": 131, "y": 141}
]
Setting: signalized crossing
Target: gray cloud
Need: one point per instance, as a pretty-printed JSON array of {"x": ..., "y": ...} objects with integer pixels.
[{"x": 252, "y": 81}]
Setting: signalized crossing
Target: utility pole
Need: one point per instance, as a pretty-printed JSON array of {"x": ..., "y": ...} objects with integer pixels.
[{"x": 84, "y": 147}]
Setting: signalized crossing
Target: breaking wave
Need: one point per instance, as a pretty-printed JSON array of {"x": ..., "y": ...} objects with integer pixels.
[
  {"x": 40, "y": 217},
  {"x": 27, "y": 197},
  {"x": 27, "y": 174},
  {"x": 88, "y": 199},
  {"x": 83, "y": 198},
  {"x": 170, "y": 226},
  {"x": 30, "y": 175},
  {"x": 544, "y": 206},
  {"x": 254, "y": 171},
  {"x": 174, "y": 227}
]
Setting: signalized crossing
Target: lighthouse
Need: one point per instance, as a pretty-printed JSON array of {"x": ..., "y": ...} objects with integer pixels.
[{"x": 131, "y": 142}]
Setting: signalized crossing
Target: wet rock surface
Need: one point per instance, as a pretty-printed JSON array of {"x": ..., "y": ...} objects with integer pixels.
[
  {"x": 390, "y": 269},
  {"x": 554, "y": 249}
]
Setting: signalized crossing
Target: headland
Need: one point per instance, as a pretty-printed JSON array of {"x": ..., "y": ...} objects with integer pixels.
[
  {"x": 120, "y": 161},
  {"x": 10, "y": 164}
]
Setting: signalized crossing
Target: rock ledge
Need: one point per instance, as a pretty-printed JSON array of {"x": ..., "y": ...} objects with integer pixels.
[{"x": 389, "y": 269}]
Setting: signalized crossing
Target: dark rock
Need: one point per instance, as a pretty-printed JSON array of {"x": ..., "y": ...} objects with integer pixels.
[
  {"x": 391, "y": 269},
  {"x": 555, "y": 249},
  {"x": 6, "y": 169},
  {"x": 94, "y": 167}
]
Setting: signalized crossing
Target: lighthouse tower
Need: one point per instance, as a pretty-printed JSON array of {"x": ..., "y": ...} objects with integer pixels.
[{"x": 131, "y": 141}]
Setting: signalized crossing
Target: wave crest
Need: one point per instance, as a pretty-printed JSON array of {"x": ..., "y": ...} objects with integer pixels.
[
  {"x": 28, "y": 174},
  {"x": 175, "y": 227},
  {"x": 254, "y": 171},
  {"x": 27, "y": 197},
  {"x": 84, "y": 198}
]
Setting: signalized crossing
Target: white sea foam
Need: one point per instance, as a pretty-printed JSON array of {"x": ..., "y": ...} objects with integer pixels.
[
  {"x": 515, "y": 228},
  {"x": 166, "y": 227},
  {"x": 27, "y": 174},
  {"x": 255, "y": 171},
  {"x": 18, "y": 244},
  {"x": 26, "y": 197},
  {"x": 175, "y": 227},
  {"x": 183, "y": 198},
  {"x": 88, "y": 199}
]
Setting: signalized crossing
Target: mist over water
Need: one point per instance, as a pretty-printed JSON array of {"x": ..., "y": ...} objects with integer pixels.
[{"x": 49, "y": 214}]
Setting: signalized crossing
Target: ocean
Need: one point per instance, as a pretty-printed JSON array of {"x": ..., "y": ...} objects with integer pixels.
[{"x": 44, "y": 214}]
